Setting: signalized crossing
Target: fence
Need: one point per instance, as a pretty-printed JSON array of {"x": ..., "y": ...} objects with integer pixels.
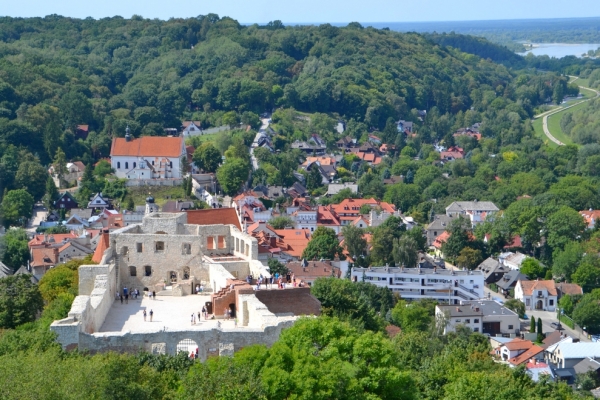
[{"x": 154, "y": 182}]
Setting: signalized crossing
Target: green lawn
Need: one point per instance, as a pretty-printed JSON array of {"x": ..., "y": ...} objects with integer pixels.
[
  {"x": 554, "y": 127},
  {"x": 583, "y": 82},
  {"x": 161, "y": 194}
]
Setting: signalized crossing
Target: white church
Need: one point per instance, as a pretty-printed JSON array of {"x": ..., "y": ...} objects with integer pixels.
[{"x": 147, "y": 157}]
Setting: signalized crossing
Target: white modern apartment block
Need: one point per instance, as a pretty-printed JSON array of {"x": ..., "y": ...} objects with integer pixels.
[
  {"x": 485, "y": 316},
  {"x": 445, "y": 286}
]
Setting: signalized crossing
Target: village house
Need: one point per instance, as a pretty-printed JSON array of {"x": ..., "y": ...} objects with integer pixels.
[
  {"x": 476, "y": 211},
  {"x": 439, "y": 224},
  {"x": 493, "y": 270},
  {"x": 191, "y": 127},
  {"x": 538, "y": 294},
  {"x": 507, "y": 283},
  {"x": 452, "y": 153},
  {"x": 147, "y": 157},
  {"x": 512, "y": 260},
  {"x": 66, "y": 201},
  {"x": 485, "y": 316}
]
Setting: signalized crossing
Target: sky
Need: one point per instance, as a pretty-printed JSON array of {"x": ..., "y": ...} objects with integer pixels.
[{"x": 305, "y": 11}]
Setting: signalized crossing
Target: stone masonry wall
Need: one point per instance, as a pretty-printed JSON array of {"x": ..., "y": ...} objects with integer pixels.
[{"x": 208, "y": 342}]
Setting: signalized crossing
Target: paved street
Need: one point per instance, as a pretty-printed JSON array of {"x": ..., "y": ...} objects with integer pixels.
[{"x": 39, "y": 215}]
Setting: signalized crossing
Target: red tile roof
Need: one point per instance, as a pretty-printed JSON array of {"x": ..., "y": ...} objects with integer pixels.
[
  {"x": 441, "y": 239},
  {"x": 518, "y": 344},
  {"x": 44, "y": 257},
  {"x": 214, "y": 216},
  {"x": 148, "y": 146},
  {"x": 352, "y": 206},
  {"x": 527, "y": 355},
  {"x": 569, "y": 288},
  {"x": 530, "y": 286},
  {"x": 103, "y": 244},
  {"x": 294, "y": 240},
  {"x": 39, "y": 239},
  {"x": 590, "y": 216}
]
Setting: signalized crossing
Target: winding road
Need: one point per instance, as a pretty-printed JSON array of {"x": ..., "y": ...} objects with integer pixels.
[{"x": 561, "y": 109}]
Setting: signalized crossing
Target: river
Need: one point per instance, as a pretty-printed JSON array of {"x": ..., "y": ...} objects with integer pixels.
[{"x": 559, "y": 50}]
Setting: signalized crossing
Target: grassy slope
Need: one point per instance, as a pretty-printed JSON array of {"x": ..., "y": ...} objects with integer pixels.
[{"x": 554, "y": 120}]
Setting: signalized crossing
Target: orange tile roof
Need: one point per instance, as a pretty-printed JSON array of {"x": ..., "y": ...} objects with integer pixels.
[
  {"x": 214, "y": 216},
  {"x": 569, "y": 288},
  {"x": 518, "y": 344},
  {"x": 590, "y": 216},
  {"x": 441, "y": 239},
  {"x": 345, "y": 207},
  {"x": 39, "y": 239},
  {"x": 527, "y": 355},
  {"x": 103, "y": 244},
  {"x": 530, "y": 286},
  {"x": 148, "y": 146},
  {"x": 44, "y": 257},
  {"x": 325, "y": 216},
  {"x": 294, "y": 240}
]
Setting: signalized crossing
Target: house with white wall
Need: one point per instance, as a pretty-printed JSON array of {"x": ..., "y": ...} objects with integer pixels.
[
  {"x": 537, "y": 295},
  {"x": 147, "y": 157}
]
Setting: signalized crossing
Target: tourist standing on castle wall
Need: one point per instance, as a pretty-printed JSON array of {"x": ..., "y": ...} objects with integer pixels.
[
  {"x": 151, "y": 314},
  {"x": 144, "y": 315}
]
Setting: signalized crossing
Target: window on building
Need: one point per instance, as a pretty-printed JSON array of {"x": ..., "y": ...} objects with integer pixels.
[
  {"x": 186, "y": 248},
  {"x": 510, "y": 327},
  {"x": 171, "y": 164},
  {"x": 210, "y": 243},
  {"x": 134, "y": 164},
  {"x": 139, "y": 247},
  {"x": 221, "y": 242},
  {"x": 118, "y": 165},
  {"x": 159, "y": 246},
  {"x": 148, "y": 270},
  {"x": 539, "y": 292},
  {"x": 126, "y": 165},
  {"x": 551, "y": 302},
  {"x": 132, "y": 271},
  {"x": 475, "y": 329},
  {"x": 527, "y": 302},
  {"x": 467, "y": 321},
  {"x": 458, "y": 320},
  {"x": 476, "y": 320}
]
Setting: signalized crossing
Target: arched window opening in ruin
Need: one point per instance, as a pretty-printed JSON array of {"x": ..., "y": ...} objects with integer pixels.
[
  {"x": 187, "y": 345},
  {"x": 172, "y": 276},
  {"x": 186, "y": 248},
  {"x": 186, "y": 273},
  {"x": 132, "y": 270},
  {"x": 159, "y": 246},
  {"x": 221, "y": 242},
  {"x": 148, "y": 270},
  {"x": 210, "y": 243}
]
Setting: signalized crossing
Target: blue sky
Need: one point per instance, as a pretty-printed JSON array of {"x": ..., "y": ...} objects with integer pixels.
[{"x": 310, "y": 10}]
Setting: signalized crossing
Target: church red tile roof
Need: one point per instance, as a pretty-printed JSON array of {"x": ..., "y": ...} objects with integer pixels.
[{"x": 148, "y": 146}]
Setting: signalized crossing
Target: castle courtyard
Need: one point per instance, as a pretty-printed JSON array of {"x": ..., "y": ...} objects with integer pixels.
[{"x": 171, "y": 313}]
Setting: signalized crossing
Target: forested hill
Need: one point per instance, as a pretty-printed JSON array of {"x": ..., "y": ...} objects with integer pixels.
[
  {"x": 479, "y": 46},
  {"x": 57, "y": 72}
]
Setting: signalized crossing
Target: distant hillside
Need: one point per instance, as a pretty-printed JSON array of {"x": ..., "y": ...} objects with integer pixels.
[{"x": 480, "y": 47}]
